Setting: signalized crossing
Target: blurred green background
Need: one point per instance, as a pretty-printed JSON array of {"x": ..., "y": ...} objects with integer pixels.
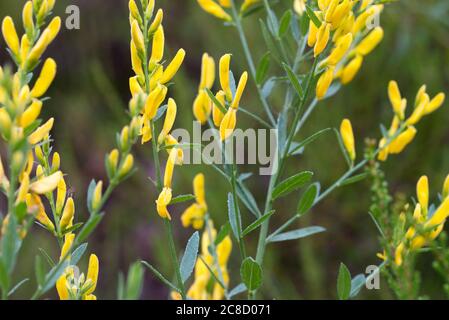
[{"x": 89, "y": 100}]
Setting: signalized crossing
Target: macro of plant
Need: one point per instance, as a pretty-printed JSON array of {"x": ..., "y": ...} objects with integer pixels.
[{"x": 222, "y": 228}]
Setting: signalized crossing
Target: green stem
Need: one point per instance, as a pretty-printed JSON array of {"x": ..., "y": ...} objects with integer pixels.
[
  {"x": 174, "y": 257},
  {"x": 249, "y": 59}
]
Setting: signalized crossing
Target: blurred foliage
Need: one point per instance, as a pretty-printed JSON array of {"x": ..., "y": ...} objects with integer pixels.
[{"x": 89, "y": 101}]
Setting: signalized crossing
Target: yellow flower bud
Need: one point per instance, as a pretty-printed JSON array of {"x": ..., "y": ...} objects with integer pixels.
[
  {"x": 127, "y": 166},
  {"x": 46, "y": 38},
  {"x": 225, "y": 62},
  {"x": 440, "y": 214},
  {"x": 146, "y": 133},
  {"x": 5, "y": 122},
  {"x": 330, "y": 10},
  {"x": 135, "y": 60},
  {"x": 370, "y": 42},
  {"x": 50, "y": 4},
  {"x": 134, "y": 86},
  {"x": 422, "y": 192},
  {"x": 228, "y": 123},
  {"x": 67, "y": 214},
  {"x": 322, "y": 39},
  {"x": 162, "y": 202},
  {"x": 41, "y": 132},
  {"x": 10, "y": 35},
  {"x": 137, "y": 37},
  {"x": 340, "y": 12},
  {"x": 46, "y": 184},
  {"x": 170, "y": 118},
  {"x": 92, "y": 273},
  {"x": 169, "y": 167},
  {"x": 157, "y": 22},
  {"x": 198, "y": 189},
  {"x": 55, "y": 162},
  {"x": 173, "y": 67},
  {"x": 239, "y": 91},
  {"x": 217, "y": 114},
  {"x": 214, "y": 9},
  {"x": 157, "y": 51},
  {"x": 435, "y": 103},
  {"x": 399, "y": 254},
  {"x": 324, "y": 82},
  {"x": 30, "y": 114},
  {"x": 98, "y": 193},
  {"x": 313, "y": 34},
  {"x": 61, "y": 193},
  {"x": 154, "y": 100},
  {"x": 202, "y": 107},
  {"x": 418, "y": 113},
  {"x": 340, "y": 50},
  {"x": 347, "y": 136},
  {"x": 67, "y": 246},
  {"x": 351, "y": 69},
  {"x": 134, "y": 10},
  {"x": 27, "y": 16},
  {"x": 399, "y": 144},
  {"x": 445, "y": 191},
  {"x": 23, "y": 189},
  {"x": 45, "y": 78}
]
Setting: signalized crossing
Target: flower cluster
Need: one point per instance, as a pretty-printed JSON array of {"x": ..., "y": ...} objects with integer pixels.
[
  {"x": 194, "y": 214},
  {"x": 205, "y": 287},
  {"x": 221, "y": 8},
  {"x": 402, "y": 131},
  {"x": 425, "y": 225},
  {"x": 344, "y": 24},
  {"x": 225, "y": 103}
]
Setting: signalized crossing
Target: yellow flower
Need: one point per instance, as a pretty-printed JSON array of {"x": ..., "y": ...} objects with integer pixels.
[
  {"x": 370, "y": 42},
  {"x": 92, "y": 273},
  {"x": 404, "y": 139},
  {"x": 97, "y": 197},
  {"x": 340, "y": 50},
  {"x": 228, "y": 123},
  {"x": 45, "y": 39},
  {"x": 154, "y": 100},
  {"x": 396, "y": 99},
  {"x": 239, "y": 91},
  {"x": 41, "y": 132},
  {"x": 435, "y": 103},
  {"x": 10, "y": 35},
  {"x": 36, "y": 207},
  {"x": 173, "y": 67},
  {"x": 202, "y": 107},
  {"x": 217, "y": 114},
  {"x": 67, "y": 214},
  {"x": 27, "y": 16},
  {"x": 163, "y": 201},
  {"x": 348, "y": 138},
  {"x": 157, "y": 51},
  {"x": 399, "y": 254},
  {"x": 351, "y": 69},
  {"x": 418, "y": 112},
  {"x": 45, "y": 79},
  {"x": 170, "y": 118},
  {"x": 207, "y": 72},
  {"x": 214, "y": 9},
  {"x": 135, "y": 60},
  {"x": 46, "y": 184},
  {"x": 137, "y": 37},
  {"x": 194, "y": 214},
  {"x": 422, "y": 191},
  {"x": 157, "y": 21},
  {"x": 247, "y": 4},
  {"x": 322, "y": 40},
  {"x": 169, "y": 167},
  {"x": 127, "y": 166},
  {"x": 440, "y": 214},
  {"x": 61, "y": 193},
  {"x": 324, "y": 82}
]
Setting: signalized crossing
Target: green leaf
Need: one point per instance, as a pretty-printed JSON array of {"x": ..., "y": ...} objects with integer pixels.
[
  {"x": 232, "y": 215},
  {"x": 182, "y": 198},
  {"x": 53, "y": 275},
  {"x": 343, "y": 282},
  {"x": 134, "y": 282},
  {"x": 354, "y": 179},
  {"x": 215, "y": 101},
  {"x": 160, "y": 112},
  {"x": 251, "y": 274},
  {"x": 78, "y": 253},
  {"x": 90, "y": 194},
  {"x": 356, "y": 284},
  {"x": 160, "y": 276},
  {"x": 189, "y": 258},
  {"x": 293, "y": 80},
  {"x": 237, "y": 290},
  {"x": 47, "y": 257},
  {"x": 295, "y": 234},
  {"x": 291, "y": 184},
  {"x": 39, "y": 270},
  {"x": 312, "y": 16},
  {"x": 10, "y": 244},
  {"x": 304, "y": 24},
  {"x": 285, "y": 23},
  {"x": 17, "y": 286},
  {"x": 253, "y": 226},
  {"x": 309, "y": 140},
  {"x": 307, "y": 199},
  {"x": 4, "y": 277},
  {"x": 121, "y": 287},
  {"x": 224, "y": 231},
  {"x": 262, "y": 68}
]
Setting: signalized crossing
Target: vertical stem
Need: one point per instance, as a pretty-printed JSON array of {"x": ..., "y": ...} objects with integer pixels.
[
  {"x": 250, "y": 61},
  {"x": 174, "y": 257}
]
